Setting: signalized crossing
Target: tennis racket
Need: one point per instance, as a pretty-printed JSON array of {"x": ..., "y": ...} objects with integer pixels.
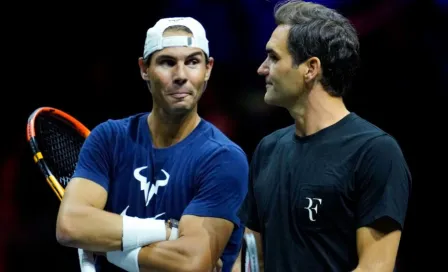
[
  {"x": 56, "y": 139},
  {"x": 249, "y": 257}
]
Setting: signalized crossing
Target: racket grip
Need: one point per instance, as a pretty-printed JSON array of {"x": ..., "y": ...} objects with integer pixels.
[{"x": 86, "y": 261}]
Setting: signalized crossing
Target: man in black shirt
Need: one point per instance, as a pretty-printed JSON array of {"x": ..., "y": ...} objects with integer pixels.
[{"x": 329, "y": 193}]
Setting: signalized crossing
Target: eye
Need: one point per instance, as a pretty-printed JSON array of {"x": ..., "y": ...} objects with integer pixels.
[
  {"x": 193, "y": 61},
  {"x": 272, "y": 57},
  {"x": 167, "y": 62}
]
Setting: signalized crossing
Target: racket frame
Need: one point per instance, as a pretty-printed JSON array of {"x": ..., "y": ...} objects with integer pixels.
[
  {"x": 38, "y": 157},
  {"x": 249, "y": 253}
]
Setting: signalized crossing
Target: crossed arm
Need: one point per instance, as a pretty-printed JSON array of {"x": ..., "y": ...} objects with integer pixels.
[
  {"x": 82, "y": 223},
  {"x": 200, "y": 243}
]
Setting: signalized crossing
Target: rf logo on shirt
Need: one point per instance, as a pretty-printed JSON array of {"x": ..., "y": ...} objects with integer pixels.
[{"x": 313, "y": 203}]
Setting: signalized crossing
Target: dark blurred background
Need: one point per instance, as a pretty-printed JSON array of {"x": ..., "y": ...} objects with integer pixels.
[{"x": 82, "y": 58}]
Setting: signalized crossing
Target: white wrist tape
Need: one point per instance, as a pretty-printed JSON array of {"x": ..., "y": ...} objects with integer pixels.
[
  {"x": 138, "y": 232},
  {"x": 127, "y": 260}
]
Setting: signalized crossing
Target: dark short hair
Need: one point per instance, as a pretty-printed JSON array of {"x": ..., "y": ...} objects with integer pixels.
[{"x": 318, "y": 31}]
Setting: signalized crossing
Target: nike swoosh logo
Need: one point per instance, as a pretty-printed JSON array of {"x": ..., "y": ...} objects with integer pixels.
[
  {"x": 123, "y": 213},
  {"x": 157, "y": 216}
]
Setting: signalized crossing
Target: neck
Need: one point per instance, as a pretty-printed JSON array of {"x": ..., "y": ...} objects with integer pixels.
[
  {"x": 168, "y": 129},
  {"x": 317, "y": 111}
]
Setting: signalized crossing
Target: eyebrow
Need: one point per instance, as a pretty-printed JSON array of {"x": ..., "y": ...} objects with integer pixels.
[
  {"x": 271, "y": 51},
  {"x": 171, "y": 57}
]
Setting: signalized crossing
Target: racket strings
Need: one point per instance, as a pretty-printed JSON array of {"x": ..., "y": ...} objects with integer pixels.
[{"x": 60, "y": 143}]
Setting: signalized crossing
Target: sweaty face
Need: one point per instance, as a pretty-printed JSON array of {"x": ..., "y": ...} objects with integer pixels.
[
  {"x": 177, "y": 77},
  {"x": 283, "y": 79}
]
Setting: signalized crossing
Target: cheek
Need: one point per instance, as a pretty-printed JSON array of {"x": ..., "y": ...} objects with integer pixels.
[
  {"x": 197, "y": 78},
  {"x": 160, "y": 79}
]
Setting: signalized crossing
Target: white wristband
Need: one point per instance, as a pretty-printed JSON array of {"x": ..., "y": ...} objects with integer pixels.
[
  {"x": 138, "y": 232},
  {"x": 127, "y": 260}
]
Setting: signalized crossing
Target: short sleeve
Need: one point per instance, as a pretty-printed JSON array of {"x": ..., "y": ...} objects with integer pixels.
[
  {"x": 95, "y": 156},
  {"x": 249, "y": 212},
  {"x": 384, "y": 182},
  {"x": 221, "y": 185}
]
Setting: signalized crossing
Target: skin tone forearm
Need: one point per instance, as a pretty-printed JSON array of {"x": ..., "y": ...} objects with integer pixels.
[
  {"x": 173, "y": 255},
  {"x": 90, "y": 228},
  {"x": 82, "y": 221}
]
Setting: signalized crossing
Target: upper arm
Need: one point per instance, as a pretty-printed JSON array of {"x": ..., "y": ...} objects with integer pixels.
[
  {"x": 384, "y": 183},
  {"x": 221, "y": 188},
  {"x": 221, "y": 185},
  {"x": 377, "y": 245},
  {"x": 83, "y": 192},
  {"x": 209, "y": 237},
  {"x": 90, "y": 181}
]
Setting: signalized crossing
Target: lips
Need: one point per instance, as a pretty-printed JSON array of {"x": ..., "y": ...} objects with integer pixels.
[{"x": 179, "y": 95}]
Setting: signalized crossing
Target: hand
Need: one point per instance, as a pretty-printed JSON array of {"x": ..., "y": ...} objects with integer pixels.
[{"x": 218, "y": 267}]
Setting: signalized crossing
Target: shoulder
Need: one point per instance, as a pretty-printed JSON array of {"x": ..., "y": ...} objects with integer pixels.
[
  {"x": 275, "y": 138},
  {"x": 214, "y": 141},
  {"x": 383, "y": 146},
  {"x": 382, "y": 160},
  {"x": 113, "y": 128},
  {"x": 357, "y": 125},
  {"x": 375, "y": 139},
  {"x": 214, "y": 147}
]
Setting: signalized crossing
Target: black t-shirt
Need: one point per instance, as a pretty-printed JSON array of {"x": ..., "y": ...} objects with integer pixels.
[{"x": 308, "y": 195}]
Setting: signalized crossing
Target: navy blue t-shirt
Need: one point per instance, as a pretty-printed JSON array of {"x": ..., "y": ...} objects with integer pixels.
[{"x": 206, "y": 174}]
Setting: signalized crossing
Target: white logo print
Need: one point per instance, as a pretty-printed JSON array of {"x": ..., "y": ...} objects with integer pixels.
[
  {"x": 144, "y": 183},
  {"x": 311, "y": 209},
  {"x": 123, "y": 213}
]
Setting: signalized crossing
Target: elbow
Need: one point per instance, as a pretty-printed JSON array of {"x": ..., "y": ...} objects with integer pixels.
[{"x": 66, "y": 230}]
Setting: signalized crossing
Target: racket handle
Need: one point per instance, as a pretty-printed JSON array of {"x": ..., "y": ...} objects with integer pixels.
[{"x": 86, "y": 261}]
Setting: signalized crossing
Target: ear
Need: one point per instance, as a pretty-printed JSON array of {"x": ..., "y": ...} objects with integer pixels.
[
  {"x": 313, "y": 69},
  {"x": 209, "y": 67},
  {"x": 143, "y": 69}
]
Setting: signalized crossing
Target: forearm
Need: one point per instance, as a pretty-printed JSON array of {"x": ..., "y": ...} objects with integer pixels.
[
  {"x": 183, "y": 254},
  {"x": 90, "y": 228},
  {"x": 377, "y": 266}
]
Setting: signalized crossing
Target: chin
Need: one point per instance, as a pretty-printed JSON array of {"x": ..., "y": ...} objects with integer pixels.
[
  {"x": 271, "y": 100},
  {"x": 181, "y": 109}
]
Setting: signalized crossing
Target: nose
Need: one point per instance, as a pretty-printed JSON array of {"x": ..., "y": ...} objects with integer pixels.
[
  {"x": 180, "y": 77},
  {"x": 263, "y": 70}
]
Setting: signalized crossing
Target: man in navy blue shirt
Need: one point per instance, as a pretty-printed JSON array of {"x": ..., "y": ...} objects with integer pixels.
[{"x": 136, "y": 173}]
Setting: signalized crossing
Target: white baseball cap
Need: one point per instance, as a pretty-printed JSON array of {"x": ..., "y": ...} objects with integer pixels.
[{"x": 155, "y": 40}]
